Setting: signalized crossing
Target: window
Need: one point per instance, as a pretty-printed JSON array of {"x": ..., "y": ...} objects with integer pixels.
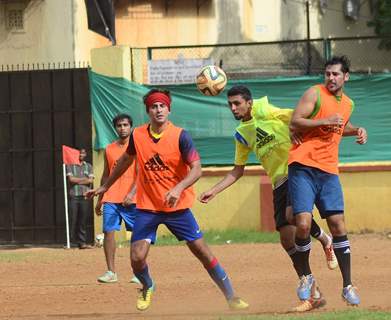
[{"x": 15, "y": 19}]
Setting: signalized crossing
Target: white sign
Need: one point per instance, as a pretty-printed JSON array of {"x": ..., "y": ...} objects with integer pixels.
[{"x": 175, "y": 71}]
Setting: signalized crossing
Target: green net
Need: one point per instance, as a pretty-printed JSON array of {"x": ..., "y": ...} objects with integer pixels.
[{"x": 212, "y": 125}]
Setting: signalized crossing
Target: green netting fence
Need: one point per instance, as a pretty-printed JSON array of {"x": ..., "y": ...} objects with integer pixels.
[{"x": 212, "y": 125}]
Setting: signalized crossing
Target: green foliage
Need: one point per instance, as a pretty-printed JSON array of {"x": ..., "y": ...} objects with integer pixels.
[
  {"x": 340, "y": 315},
  {"x": 382, "y": 22}
]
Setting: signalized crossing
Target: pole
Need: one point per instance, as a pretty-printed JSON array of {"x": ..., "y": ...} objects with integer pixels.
[
  {"x": 107, "y": 30},
  {"x": 66, "y": 205},
  {"x": 309, "y": 58}
]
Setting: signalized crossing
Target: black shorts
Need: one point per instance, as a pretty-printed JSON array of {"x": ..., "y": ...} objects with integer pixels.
[{"x": 281, "y": 202}]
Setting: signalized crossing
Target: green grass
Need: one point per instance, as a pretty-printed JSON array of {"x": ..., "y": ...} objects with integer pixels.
[
  {"x": 214, "y": 237},
  {"x": 341, "y": 315},
  {"x": 9, "y": 257}
]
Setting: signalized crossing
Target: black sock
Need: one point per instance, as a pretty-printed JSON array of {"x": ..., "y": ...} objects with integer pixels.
[
  {"x": 315, "y": 229},
  {"x": 303, "y": 248},
  {"x": 342, "y": 252},
  {"x": 292, "y": 253}
]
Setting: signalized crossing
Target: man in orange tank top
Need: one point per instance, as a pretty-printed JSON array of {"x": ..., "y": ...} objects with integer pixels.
[
  {"x": 321, "y": 117},
  {"x": 118, "y": 201},
  {"x": 169, "y": 165}
]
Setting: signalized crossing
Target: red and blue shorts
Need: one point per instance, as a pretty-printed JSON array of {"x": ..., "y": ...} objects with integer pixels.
[{"x": 182, "y": 225}]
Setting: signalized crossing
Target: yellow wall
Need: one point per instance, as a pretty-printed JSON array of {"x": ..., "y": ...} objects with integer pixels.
[
  {"x": 367, "y": 198},
  {"x": 56, "y": 30},
  {"x": 112, "y": 61},
  {"x": 236, "y": 208},
  {"x": 367, "y": 202},
  {"x": 228, "y": 21}
]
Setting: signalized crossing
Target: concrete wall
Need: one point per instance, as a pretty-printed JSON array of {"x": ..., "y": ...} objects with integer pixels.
[
  {"x": 47, "y": 35},
  {"x": 56, "y": 30},
  {"x": 367, "y": 197},
  {"x": 228, "y": 21}
]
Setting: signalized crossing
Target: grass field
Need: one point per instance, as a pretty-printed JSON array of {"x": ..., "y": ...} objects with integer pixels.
[
  {"x": 215, "y": 237},
  {"x": 342, "y": 315}
]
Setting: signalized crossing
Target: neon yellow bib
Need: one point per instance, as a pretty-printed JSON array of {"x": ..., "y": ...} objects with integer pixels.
[{"x": 267, "y": 135}]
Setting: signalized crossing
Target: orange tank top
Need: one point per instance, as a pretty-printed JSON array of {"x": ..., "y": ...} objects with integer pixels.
[
  {"x": 160, "y": 169},
  {"x": 320, "y": 145},
  {"x": 119, "y": 190}
]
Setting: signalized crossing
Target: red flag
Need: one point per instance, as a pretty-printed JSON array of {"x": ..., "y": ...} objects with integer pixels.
[{"x": 70, "y": 155}]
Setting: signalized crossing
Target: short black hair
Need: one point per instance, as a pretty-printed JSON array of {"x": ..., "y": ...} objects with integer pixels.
[
  {"x": 122, "y": 116},
  {"x": 342, "y": 60},
  {"x": 240, "y": 90}
]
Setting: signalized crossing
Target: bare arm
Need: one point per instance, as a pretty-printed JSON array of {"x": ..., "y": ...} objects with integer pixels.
[
  {"x": 105, "y": 174},
  {"x": 128, "y": 200},
  {"x": 122, "y": 165},
  {"x": 234, "y": 175},
  {"x": 359, "y": 132},
  {"x": 174, "y": 194},
  {"x": 85, "y": 180},
  {"x": 300, "y": 119}
]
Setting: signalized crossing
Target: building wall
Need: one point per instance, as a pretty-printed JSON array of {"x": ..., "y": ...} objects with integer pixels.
[
  {"x": 228, "y": 21},
  {"x": 56, "y": 30}
]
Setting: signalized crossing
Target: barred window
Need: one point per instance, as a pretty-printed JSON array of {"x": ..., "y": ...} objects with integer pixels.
[{"x": 15, "y": 19}]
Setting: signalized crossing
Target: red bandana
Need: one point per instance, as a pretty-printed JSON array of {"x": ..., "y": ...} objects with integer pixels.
[{"x": 158, "y": 97}]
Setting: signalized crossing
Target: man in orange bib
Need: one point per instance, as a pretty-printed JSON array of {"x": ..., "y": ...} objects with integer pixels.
[
  {"x": 321, "y": 116},
  {"x": 118, "y": 201},
  {"x": 169, "y": 165}
]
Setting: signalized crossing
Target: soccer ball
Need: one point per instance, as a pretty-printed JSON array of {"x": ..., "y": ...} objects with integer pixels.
[
  {"x": 99, "y": 240},
  {"x": 211, "y": 80}
]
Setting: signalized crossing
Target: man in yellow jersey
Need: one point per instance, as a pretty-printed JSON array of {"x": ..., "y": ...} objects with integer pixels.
[
  {"x": 322, "y": 116},
  {"x": 118, "y": 203},
  {"x": 264, "y": 130},
  {"x": 169, "y": 165}
]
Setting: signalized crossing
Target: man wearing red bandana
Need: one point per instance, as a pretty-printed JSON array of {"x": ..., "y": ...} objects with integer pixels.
[{"x": 168, "y": 166}]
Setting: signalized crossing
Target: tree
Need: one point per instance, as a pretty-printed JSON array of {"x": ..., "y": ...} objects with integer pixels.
[{"x": 382, "y": 22}]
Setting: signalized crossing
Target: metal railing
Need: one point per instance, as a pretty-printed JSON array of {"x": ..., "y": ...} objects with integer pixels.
[{"x": 291, "y": 57}]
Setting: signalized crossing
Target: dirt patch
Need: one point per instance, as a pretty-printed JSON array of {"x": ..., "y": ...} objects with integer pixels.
[{"x": 44, "y": 283}]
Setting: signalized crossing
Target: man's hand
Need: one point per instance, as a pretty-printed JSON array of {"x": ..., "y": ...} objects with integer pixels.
[
  {"x": 335, "y": 120},
  {"x": 296, "y": 138},
  {"x": 362, "y": 136},
  {"x": 128, "y": 200},
  {"x": 98, "y": 208},
  {"x": 206, "y": 196},
  {"x": 95, "y": 192},
  {"x": 172, "y": 197}
]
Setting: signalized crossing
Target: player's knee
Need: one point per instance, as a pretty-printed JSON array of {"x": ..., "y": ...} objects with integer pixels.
[
  {"x": 336, "y": 225},
  {"x": 287, "y": 243},
  {"x": 137, "y": 260},
  {"x": 303, "y": 227}
]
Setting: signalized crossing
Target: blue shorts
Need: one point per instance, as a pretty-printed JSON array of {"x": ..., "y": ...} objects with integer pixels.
[
  {"x": 182, "y": 225},
  {"x": 309, "y": 186},
  {"x": 115, "y": 213}
]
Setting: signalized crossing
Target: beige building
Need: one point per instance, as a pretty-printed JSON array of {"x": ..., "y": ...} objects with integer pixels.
[
  {"x": 45, "y": 31},
  {"x": 55, "y": 31}
]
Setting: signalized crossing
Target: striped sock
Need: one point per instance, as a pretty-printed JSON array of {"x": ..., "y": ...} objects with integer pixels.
[
  {"x": 219, "y": 276},
  {"x": 303, "y": 248},
  {"x": 315, "y": 231},
  {"x": 341, "y": 247},
  {"x": 144, "y": 277},
  {"x": 292, "y": 252}
]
